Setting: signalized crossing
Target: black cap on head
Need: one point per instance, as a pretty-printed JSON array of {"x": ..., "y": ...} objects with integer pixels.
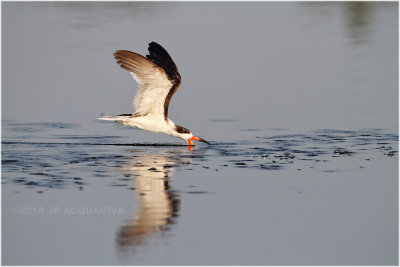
[{"x": 182, "y": 130}]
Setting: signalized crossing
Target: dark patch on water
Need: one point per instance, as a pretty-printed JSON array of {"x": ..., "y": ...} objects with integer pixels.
[
  {"x": 199, "y": 192},
  {"x": 154, "y": 169},
  {"x": 39, "y": 173},
  {"x": 251, "y": 130},
  {"x": 343, "y": 151},
  {"x": 270, "y": 167},
  {"x": 122, "y": 185},
  {"x": 8, "y": 161},
  {"x": 316, "y": 146},
  {"x": 33, "y": 161}
]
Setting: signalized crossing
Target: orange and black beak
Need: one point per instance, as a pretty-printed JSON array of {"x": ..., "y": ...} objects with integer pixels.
[{"x": 195, "y": 138}]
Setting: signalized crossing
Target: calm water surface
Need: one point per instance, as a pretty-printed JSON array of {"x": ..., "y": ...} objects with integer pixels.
[{"x": 298, "y": 99}]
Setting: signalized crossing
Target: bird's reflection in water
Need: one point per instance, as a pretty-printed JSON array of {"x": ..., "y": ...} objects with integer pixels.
[{"x": 158, "y": 205}]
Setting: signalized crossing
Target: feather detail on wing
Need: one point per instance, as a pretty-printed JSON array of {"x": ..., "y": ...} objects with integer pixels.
[
  {"x": 154, "y": 84},
  {"x": 157, "y": 76}
]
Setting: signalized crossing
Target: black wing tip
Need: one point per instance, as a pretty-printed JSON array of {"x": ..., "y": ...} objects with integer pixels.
[
  {"x": 161, "y": 58},
  {"x": 154, "y": 44},
  {"x": 159, "y": 55}
]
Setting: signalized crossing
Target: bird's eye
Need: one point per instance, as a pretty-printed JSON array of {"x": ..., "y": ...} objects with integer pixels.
[{"x": 181, "y": 129}]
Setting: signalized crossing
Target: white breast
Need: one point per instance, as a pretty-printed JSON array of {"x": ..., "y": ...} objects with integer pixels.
[{"x": 152, "y": 122}]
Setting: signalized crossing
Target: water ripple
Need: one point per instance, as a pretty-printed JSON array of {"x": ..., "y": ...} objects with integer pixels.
[{"x": 65, "y": 160}]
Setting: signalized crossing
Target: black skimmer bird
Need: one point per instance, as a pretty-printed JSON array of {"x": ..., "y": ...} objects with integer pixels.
[{"x": 158, "y": 79}]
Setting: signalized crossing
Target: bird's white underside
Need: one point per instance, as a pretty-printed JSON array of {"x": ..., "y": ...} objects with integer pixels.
[{"x": 151, "y": 122}]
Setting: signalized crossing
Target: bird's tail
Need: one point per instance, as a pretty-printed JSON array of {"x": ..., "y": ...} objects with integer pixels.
[{"x": 118, "y": 118}]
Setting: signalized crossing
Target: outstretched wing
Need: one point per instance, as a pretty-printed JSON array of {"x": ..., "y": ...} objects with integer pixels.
[{"x": 157, "y": 76}]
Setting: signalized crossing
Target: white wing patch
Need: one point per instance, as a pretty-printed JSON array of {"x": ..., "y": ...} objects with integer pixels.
[
  {"x": 151, "y": 95},
  {"x": 154, "y": 84}
]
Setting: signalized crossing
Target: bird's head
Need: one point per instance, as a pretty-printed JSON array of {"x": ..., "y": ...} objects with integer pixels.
[{"x": 187, "y": 135}]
